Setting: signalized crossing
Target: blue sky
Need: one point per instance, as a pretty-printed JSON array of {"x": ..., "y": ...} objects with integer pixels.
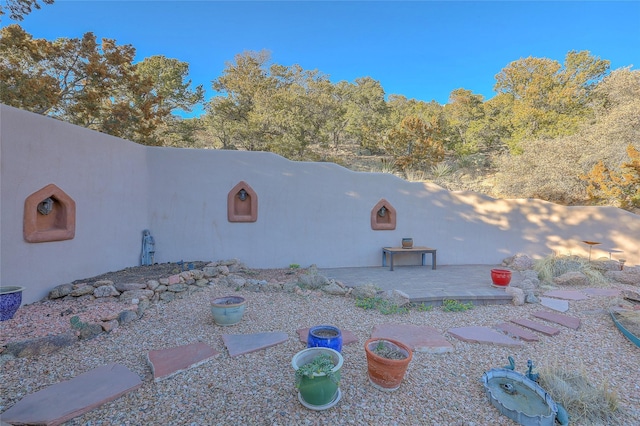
[{"x": 420, "y": 49}]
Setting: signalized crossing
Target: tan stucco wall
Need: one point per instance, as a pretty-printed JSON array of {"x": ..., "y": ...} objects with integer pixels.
[{"x": 307, "y": 212}]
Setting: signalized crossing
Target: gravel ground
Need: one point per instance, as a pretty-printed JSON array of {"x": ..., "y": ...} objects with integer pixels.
[{"x": 258, "y": 388}]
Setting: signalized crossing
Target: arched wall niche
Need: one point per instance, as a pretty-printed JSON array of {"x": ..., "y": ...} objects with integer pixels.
[
  {"x": 49, "y": 215},
  {"x": 383, "y": 216},
  {"x": 242, "y": 203}
]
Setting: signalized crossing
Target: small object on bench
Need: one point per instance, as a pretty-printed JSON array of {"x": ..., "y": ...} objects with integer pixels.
[{"x": 395, "y": 250}]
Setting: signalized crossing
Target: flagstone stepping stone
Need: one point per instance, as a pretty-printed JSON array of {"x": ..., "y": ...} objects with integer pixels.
[
  {"x": 66, "y": 400},
  {"x": 240, "y": 344},
  {"x": 347, "y": 336},
  {"x": 420, "y": 338},
  {"x": 555, "y": 304},
  {"x": 518, "y": 332},
  {"x": 478, "y": 334},
  {"x": 602, "y": 292},
  {"x": 167, "y": 362},
  {"x": 561, "y": 319},
  {"x": 566, "y": 294},
  {"x": 536, "y": 326}
]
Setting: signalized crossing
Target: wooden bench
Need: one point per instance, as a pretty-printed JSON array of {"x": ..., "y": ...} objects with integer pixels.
[{"x": 390, "y": 251}]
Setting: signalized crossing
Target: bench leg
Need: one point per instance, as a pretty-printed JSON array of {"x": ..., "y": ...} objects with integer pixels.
[
  {"x": 433, "y": 260},
  {"x": 391, "y": 261},
  {"x": 384, "y": 258}
]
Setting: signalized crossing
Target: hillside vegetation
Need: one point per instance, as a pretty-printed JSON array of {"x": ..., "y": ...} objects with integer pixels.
[{"x": 564, "y": 132}]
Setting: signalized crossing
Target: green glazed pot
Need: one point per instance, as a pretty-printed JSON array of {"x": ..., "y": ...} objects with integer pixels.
[
  {"x": 319, "y": 392},
  {"x": 228, "y": 310}
]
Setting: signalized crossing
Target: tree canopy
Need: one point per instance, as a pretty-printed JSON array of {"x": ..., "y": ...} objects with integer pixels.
[
  {"x": 19, "y": 8},
  {"x": 565, "y": 132},
  {"x": 92, "y": 84}
]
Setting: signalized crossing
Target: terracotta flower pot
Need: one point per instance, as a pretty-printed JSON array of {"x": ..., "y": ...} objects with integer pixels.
[
  {"x": 384, "y": 373},
  {"x": 500, "y": 277}
]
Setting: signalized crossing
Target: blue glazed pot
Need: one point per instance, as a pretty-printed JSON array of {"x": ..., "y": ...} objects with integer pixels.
[
  {"x": 325, "y": 336},
  {"x": 10, "y": 300}
]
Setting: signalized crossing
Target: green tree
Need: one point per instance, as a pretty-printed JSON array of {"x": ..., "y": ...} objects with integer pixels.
[
  {"x": 367, "y": 113},
  {"x": 549, "y": 99},
  {"x": 234, "y": 115},
  {"x": 170, "y": 84},
  {"x": 172, "y": 92},
  {"x": 462, "y": 114},
  {"x": 277, "y": 108}
]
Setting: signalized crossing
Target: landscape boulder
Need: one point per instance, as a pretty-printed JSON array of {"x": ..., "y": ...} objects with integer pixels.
[{"x": 573, "y": 278}]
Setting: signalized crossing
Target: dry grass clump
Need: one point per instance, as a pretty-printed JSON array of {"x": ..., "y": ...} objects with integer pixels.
[
  {"x": 555, "y": 265},
  {"x": 631, "y": 316},
  {"x": 585, "y": 403}
]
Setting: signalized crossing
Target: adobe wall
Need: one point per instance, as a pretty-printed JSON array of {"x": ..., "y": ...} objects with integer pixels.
[{"x": 306, "y": 212}]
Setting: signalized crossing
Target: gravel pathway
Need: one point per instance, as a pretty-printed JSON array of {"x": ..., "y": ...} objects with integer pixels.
[{"x": 258, "y": 388}]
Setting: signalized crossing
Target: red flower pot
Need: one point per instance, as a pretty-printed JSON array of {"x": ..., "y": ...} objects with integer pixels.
[{"x": 501, "y": 277}]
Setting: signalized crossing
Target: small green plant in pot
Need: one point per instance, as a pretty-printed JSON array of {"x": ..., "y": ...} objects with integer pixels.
[{"x": 318, "y": 377}]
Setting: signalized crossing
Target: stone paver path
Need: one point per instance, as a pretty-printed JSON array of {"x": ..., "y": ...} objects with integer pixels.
[
  {"x": 517, "y": 332},
  {"x": 607, "y": 292},
  {"x": 566, "y": 294},
  {"x": 63, "y": 401},
  {"x": 167, "y": 362},
  {"x": 561, "y": 319},
  {"x": 347, "y": 336},
  {"x": 478, "y": 334},
  {"x": 240, "y": 344},
  {"x": 66, "y": 400},
  {"x": 419, "y": 338},
  {"x": 536, "y": 326},
  {"x": 555, "y": 304}
]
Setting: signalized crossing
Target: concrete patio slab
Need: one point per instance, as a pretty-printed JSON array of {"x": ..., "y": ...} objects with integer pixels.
[
  {"x": 561, "y": 319},
  {"x": 536, "y": 326},
  {"x": 240, "y": 344},
  {"x": 464, "y": 283},
  {"x": 486, "y": 335},
  {"x": 518, "y": 332},
  {"x": 555, "y": 304},
  {"x": 566, "y": 294},
  {"x": 420, "y": 338},
  {"x": 347, "y": 336},
  {"x": 64, "y": 401},
  {"x": 167, "y": 362}
]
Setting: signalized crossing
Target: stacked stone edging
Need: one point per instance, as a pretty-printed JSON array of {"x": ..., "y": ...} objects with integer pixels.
[{"x": 138, "y": 297}]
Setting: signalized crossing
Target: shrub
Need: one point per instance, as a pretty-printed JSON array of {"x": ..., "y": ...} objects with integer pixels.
[{"x": 553, "y": 266}]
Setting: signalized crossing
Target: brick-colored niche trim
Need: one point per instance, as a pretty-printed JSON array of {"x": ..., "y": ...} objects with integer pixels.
[
  {"x": 242, "y": 203},
  {"x": 49, "y": 215},
  {"x": 383, "y": 216}
]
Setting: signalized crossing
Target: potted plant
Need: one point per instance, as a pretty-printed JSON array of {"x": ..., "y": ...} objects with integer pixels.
[
  {"x": 326, "y": 336},
  {"x": 318, "y": 377},
  {"x": 10, "y": 300},
  {"x": 228, "y": 310},
  {"x": 387, "y": 362},
  {"x": 500, "y": 277}
]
